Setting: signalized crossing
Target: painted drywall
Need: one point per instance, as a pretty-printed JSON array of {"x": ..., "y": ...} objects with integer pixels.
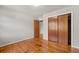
[
  {"x": 41, "y": 27},
  {"x": 40, "y": 24},
  {"x": 14, "y": 26},
  {"x": 45, "y": 27},
  {"x": 74, "y": 10}
]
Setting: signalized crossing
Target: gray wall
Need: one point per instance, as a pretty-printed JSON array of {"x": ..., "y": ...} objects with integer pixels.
[
  {"x": 14, "y": 26},
  {"x": 41, "y": 27}
]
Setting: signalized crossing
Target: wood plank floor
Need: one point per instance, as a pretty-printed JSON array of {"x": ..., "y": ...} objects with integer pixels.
[{"x": 36, "y": 45}]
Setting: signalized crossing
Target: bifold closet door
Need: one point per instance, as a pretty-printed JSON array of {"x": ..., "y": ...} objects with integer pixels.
[
  {"x": 36, "y": 29},
  {"x": 63, "y": 29},
  {"x": 52, "y": 29}
]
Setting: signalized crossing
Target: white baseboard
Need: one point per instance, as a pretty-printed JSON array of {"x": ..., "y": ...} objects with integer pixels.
[
  {"x": 15, "y": 41},
  {"x": 75, "y": 47},
  {"x": 45, "y": 39}
]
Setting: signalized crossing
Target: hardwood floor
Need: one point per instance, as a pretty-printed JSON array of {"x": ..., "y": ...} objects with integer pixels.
[{"x": 36, "y": 45}]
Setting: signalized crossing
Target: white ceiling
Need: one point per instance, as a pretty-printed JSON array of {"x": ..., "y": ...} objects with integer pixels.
[{"x": 35, "y": 11}]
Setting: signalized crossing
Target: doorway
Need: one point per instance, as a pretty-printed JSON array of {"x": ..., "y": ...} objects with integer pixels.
[{"x": 59, "y": 29}]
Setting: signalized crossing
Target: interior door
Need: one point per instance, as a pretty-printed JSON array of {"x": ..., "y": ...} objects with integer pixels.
[
  {"x": 36, "y": 28},
  {"x": 63, "y": 29},
  {"x": 52, "y": 29}
]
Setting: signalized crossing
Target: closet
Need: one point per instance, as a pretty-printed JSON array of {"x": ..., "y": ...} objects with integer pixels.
[
  {"x": 63, "y": 29},
  {"x": 59, "y": 29},
  {"x": 52, "y": 29}
]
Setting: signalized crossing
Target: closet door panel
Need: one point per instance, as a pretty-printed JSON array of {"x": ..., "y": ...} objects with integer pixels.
[
  {"x": 52, "y": 29},
  {"x": 63, "y": 29}
]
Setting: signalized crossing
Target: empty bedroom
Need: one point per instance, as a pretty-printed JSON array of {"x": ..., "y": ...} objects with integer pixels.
[{"x": 39, "y": 29}]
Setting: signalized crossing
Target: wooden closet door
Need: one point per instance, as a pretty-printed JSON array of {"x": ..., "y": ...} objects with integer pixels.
[
  {"x": 52, "y": 29},
  {"x": 36, "y": 29},
  {"x": 63, "y": 29}
]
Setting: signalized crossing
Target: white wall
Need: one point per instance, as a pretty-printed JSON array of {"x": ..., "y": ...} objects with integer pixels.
[
  {"x": 41, "y": 27},
  {"x": 14, "y": 26},
  {"x": 74, "y": 23},
  {"x": 40, "y": 24},
  {"x": 45, "y": 27}
]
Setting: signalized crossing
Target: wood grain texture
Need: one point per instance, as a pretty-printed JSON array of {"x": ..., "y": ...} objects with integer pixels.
[
  {"x": 52, "y": 29},
  {"x": 63, "y": 29},
  {"x": 36, "y": 28},
  {"x": 37, "y": 45}
]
